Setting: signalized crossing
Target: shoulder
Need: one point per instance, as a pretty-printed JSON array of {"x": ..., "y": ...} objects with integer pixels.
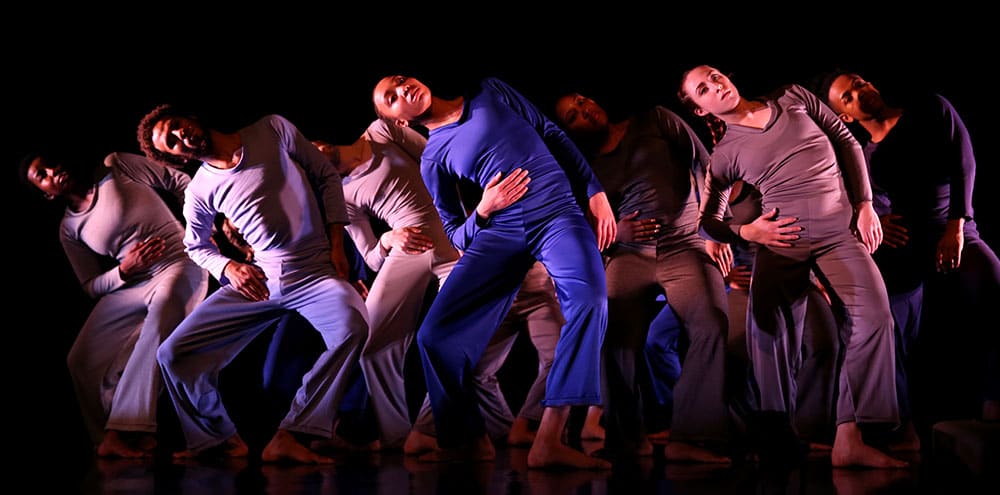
[
  {"x": 496, "y": 85},
  {"x": 379, "y": 131},
  {"x": 795, "y": 91},
  {"x": 275, "y": 122},
  {"x": 121, "y": 158},
  {"x": 664, "y": 114}
]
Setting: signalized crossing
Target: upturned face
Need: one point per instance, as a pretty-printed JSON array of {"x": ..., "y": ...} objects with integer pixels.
[
  {"x": 181, "y": 137},
  {"x": 854, "y": 98},
  {"x": 710, "y": 91},
  {"x": 53, "y": 180},
  {"x": 401, "y": 99}
]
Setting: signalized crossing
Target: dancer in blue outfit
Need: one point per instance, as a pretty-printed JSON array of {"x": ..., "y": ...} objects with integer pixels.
[{"x": 496, "y": 132}]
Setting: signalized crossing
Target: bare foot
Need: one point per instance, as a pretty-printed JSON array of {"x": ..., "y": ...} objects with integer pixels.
[
  {"x": 479, "y": 451},
  {"x": 285, "y": 447},
  {"x": 418, "y": 443},
  {"x": 862, "y": 481},
  {"x": 684, "y": 452},
  {"x": 145, "y": 442},
  {"x": 820, "y": 447},
  {"x": 234, "y": 446},
  {"x": 850, "y": 450},
  {"x": 337, "y": 442},
  {"x": 818, "y": 450},
  {"x": 908, "y": 441},
  {"x": 114, "y": 445},
  {"x": 520, "y": 433},
  {"x": 542, "y": 456},
  {"x": 645, "y": 448},
  {"x": 592, "y": 429},
  {"x": 659, "y": 437}
]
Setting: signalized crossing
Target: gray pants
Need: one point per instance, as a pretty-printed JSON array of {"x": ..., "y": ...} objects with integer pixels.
[
  {"x": 815, "y": 361},
  {"x": 394, "y": 303},
  {"x": 778, "y": 302},
  {"x": 226, "y": 322},
  {"x": 696, "y": 292},
  {"x": 113, "y": 361}
]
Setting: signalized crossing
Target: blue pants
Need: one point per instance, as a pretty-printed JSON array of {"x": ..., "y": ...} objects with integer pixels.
[{"x": 478, "y": 295}]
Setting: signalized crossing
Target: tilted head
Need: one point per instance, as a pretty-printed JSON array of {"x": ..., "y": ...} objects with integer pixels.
[
  {"x": 401, "y": 100},
  {"x": 850, "y": 96},
  {"x": 580, "y": 115},
  {"x": 173, "y": 136},
  {"x": 46, "y": 173},
  {"x": 706, "y": 90}
]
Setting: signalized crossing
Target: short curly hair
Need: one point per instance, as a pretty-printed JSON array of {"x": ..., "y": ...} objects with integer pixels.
[
  {"x": 820, "y": 84},
  {"x": 25, "y": 165},
  {"x": 145, "y": 133}
]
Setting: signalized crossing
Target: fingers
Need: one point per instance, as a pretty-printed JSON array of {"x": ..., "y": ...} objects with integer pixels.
[
  {"x": 516, "y": 176},
  {"x": 254, "y": 283},
  {"x": 148, "y": 251},
  {"x": 894, "y": 236},
  {"x": 494, "y": 180},
  {"x": 947, "y": 262},
  {"x": 412, "y": 240},
  {"x": 515, "y": 185},
  {"x": 605, "y": 234},
  {"x": 645, "y": 229}
]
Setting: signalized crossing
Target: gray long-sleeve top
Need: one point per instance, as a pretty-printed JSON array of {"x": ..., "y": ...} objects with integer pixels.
[{"x": 796, "y": 162}]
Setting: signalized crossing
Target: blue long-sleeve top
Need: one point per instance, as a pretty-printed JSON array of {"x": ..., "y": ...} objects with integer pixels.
[{"x": 501, "y": 130}]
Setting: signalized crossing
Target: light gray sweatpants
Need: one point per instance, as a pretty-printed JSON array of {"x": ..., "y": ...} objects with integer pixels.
[
  {"x": 394, "y": 303},
  {"x": 225, "y": 323},
  {"x": 113, "y": 361}
]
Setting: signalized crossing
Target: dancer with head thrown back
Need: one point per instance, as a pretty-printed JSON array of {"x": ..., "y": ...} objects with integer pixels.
[
  {"x": 813, "y": 182},
  {"x": 923, "y": 171},
  {"x": 286, "y": 199},
  {"x": 649, "y": 165},
  {"x": 494, "y": 132}
]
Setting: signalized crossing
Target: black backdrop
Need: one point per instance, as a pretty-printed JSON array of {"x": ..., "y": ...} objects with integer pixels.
[{"x": 83, "y": 86}]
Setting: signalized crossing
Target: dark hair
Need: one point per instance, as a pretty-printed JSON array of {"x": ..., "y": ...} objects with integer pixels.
[
  {"x": 145, "y": 133},
  {"x": 716, "y": 126},
  {"x": 820, "y": 83},
  {"x": 25, "y": 165}
]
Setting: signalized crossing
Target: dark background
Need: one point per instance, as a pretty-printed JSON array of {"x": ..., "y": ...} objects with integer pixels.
[{"x": 81, "y": 80}]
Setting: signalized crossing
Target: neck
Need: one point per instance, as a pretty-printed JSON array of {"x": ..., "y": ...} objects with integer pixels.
[
  {"x": 879, "y": 126},
  {"x": 351, "y": 156},
  {"x": 227, "y": 150},
  {"x": 616, "y": 132},
  {"x": 749, "y": 113},
  {"x": 79, "y": 199},
  {"x": 444, "y": 112}
]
